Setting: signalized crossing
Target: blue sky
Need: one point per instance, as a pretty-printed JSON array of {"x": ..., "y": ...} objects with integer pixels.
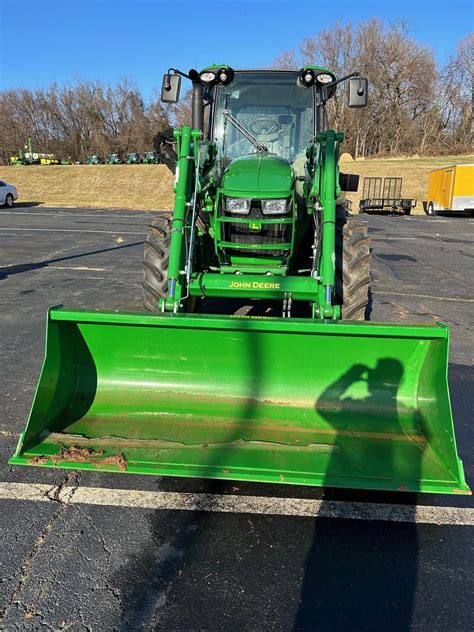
[{"x": 58, "y": 40}]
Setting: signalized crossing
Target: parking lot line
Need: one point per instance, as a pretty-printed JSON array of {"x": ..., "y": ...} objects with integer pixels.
[
  {"x": 70, "y": 230},
  {"x": 429, "y": 296},
  {"x": 228, "y": 503},
  {"x": 80, "y": 215}
]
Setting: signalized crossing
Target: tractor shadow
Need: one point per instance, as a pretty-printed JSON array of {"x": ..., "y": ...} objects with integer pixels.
[
  {"x": 8, "y": 271},
  {"x": 146, "y": 579}
]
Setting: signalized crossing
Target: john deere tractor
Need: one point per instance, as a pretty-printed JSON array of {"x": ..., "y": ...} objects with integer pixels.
[
  {"x": 133, "y": 159},
  {"x": 254, "y": 362},
  {"x": 150, "y": 158},
  {"x": 258, "y": 196},
  {"x": 95, "y": 160},
  {"x": 114, "y": 159}
]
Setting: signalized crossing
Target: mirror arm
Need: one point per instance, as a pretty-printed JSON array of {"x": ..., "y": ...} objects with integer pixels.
[
  {"x": 336, "y": 81},
  {"x": 176, "y": 72},
  {"x": 324, "y": 89}
]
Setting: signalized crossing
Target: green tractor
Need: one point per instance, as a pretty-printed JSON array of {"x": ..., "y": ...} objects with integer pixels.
[
  {"x": 150, "y": 158},
  {"x": 114, "y": 159},
  {"x": 18, "y": 160},
  {"x": 133, "y": 159},
  {"x": 25, "y": 158},
  {"x": 95, "y": 160},
  {"x": 255, "y": 362}
]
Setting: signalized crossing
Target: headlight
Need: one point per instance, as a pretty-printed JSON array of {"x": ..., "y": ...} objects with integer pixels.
[
  {"x": 274, "y": 207},
  {"x": 324, "y": 77},
  {"x": 306, "y": 77},
  {"x": 226, "y": 75},
  {"x": 237, "y": 205},
  {"x": 207, "y": 77}
]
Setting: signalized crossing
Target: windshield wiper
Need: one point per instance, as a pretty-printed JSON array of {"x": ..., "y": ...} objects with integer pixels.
[{"x": 243, "y": 130}]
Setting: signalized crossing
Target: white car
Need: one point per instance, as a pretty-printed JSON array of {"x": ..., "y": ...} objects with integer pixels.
[{"x": 8, "y": 194}]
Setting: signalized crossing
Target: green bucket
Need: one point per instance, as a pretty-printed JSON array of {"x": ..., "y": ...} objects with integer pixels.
[{"x": 337, "y": 404}]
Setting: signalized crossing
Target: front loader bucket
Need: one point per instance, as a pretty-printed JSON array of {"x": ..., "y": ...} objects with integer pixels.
[{"x": 341, "y": 404}]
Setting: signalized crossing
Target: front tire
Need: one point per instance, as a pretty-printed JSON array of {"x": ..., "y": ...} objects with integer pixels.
[
  {"x": 352, "y": 266},
  {"x": 9, "y": 200},
  {"x": 156, "y": 253}
]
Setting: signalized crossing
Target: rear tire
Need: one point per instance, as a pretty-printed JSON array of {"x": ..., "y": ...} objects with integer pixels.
[
  {"x": 9, "y": 201},
  {"x": 352, "y": 266},
  {"x": 156, "y": 254},
  {"x": 430, "y": 210}
]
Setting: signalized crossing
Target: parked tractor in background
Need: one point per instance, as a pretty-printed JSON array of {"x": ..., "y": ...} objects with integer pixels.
[
  {"x": 150, "y": 158},
  {"x": 31, "y": 157},
  {"x": 18, "y": 159},
  {"x": 254, "y": 363},
  {"x": 25, "y": 157},
  {"x": 114, "y": 159},
  {"x": 133, "y": 159},
  {"x": 95, "y": 160}
]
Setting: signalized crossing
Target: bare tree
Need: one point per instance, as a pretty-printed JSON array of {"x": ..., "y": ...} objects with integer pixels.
[
  {"x": 73, "y": 121},
  {"x": 412, "y": 107},
  {"x": 458, "y": 92}
]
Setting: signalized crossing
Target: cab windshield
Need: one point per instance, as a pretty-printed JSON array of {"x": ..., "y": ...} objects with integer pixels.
[{"x": 272, "y": 107}]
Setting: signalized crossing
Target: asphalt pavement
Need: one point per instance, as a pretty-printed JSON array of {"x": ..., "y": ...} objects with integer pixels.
[{"x": 263, "y": 560}]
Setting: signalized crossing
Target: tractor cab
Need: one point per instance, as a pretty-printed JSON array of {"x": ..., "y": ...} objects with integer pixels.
[
  {"x": 261, "y": 123},
  {"x": 257, "y": 126},
  {"x": 263, "y": 112}
]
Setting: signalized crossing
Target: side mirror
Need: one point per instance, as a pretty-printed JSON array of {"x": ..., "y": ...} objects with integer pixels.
[
  {"x": 170, "y": 88},
  {"x": 358, "y": 92}
]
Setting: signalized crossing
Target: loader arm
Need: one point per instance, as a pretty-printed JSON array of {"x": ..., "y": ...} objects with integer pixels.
[{"x": 322, "y": 189}]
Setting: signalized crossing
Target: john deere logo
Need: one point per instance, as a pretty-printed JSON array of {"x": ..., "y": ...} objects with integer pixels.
[
  {"x": 254, "y": 285},
  {"x": 255, "y": 226}
]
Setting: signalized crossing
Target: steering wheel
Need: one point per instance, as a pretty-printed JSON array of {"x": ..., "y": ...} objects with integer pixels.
[{"x": 271, "y": 127}]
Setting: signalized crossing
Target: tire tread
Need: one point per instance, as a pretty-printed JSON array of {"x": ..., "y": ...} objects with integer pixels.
[
  {"x": 352, "y": 266},
  {"x": 156, "y": 259}
]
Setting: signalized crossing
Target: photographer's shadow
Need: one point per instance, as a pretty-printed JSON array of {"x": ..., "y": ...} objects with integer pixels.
[{"x": 361, "y": 575}]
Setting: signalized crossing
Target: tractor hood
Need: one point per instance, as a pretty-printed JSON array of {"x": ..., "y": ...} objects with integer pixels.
[{"x": 258, "y": 175}]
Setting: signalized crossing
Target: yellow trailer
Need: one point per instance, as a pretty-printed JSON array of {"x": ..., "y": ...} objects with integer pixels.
[{"x": 451, "y": 189}]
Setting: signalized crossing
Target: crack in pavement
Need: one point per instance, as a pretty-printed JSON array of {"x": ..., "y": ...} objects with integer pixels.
[{"x": 54, "y": 494}]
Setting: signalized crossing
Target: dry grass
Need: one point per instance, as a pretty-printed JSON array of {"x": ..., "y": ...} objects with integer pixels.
[
  {"x": 149, "y": 187},
  {"x": 136, "y": 187}
]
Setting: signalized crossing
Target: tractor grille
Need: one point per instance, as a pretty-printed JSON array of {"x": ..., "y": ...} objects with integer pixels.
[{"x": 241, "y": 233}]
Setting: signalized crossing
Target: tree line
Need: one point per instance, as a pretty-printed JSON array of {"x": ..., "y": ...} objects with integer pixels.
[
  {"x": 74, "y": 121},
  {"x": 416, "y": 105}
]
